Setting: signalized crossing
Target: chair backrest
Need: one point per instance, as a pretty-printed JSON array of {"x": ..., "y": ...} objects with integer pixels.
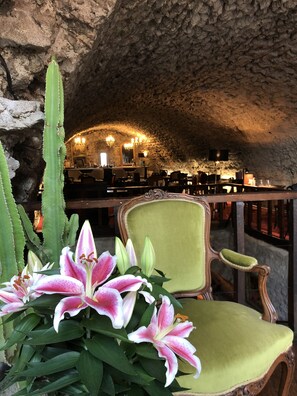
[{"x": 179, "y": 228}]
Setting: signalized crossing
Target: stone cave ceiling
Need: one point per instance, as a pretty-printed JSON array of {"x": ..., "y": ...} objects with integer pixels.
[
  {"x": 194, "y": 74},
  {"x": 200, "y": 74}
]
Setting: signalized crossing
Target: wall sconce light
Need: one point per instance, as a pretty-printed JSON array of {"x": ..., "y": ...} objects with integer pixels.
[
  {"x": 137, "y": 140},
  {"x": 145, "y": 153},
  {"x": 128, "y": 145},
  {"x": 110, "y": 140},
  {"x": 80, "y": 140}
]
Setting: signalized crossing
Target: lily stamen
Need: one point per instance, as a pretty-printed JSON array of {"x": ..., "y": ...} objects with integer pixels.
[{"x": 180, "y": 318}]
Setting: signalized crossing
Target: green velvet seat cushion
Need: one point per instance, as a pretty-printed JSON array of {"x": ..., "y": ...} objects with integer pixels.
[{"x": 234, "y": 345}]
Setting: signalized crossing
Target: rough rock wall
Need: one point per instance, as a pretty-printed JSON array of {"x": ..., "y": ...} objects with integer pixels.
[
  {"x": 20, "y": 132},
  {"x": 31, "y": 33},
  {"x": 195, "y": 75}
]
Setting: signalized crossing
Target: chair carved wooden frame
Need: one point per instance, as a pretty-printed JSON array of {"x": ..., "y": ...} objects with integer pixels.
[{"x": 164, "y": 216}]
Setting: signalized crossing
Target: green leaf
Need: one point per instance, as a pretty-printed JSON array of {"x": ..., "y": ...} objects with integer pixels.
[
  {"x": 73, "y": 225},
  {"x": 159, "y": 280},
  {"x": 154, "y": 368},
  {"x": 21, "y": 330},
  {"x": 9, "y": 318},
  {"x": 59, "y": 384},
  {"x": 55, "y": 365},
  {"x": 109, "y": 351},
  {"x": 158, "y": 290},
  {"x": 136, "y": 391},
  {"x": 147, "y": 350},
  {"x": 90, "y": 371},
  {"x": 108, "y": 385},
  {"x": 102, "y": 324},
  {"x": 68, "y": 330},
  {"x": 147, "y": 315},
  {"x": 25, "y": 355},
  {"x": 45, "y": 301},
  {"x": 142, "y": 377},
  {"x": 75, "y": 389},
  {"x": 156, "y": 388},
  {"x": 49, "y": 352}
]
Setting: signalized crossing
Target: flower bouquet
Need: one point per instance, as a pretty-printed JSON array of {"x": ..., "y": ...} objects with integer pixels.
[{"x": 95, "y": 326}]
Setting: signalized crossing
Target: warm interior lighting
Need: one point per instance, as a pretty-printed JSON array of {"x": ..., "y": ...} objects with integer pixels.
[
  {"x": 128, "y": 145},
  {"x": 80, "y": 140},
  {"x": 138, "y": 140},
  {"x": 103, "y": 159},
  {"x": 145, "y": 153},
  {"x": 110, "y": 140}
]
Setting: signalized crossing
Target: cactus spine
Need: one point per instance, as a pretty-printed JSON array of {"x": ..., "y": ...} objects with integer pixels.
[{"x": 57, "y": 230}]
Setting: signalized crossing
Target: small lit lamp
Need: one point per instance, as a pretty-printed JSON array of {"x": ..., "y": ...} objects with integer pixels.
[
  {"x": 80, "y": 140},
  {"x": 110, "y": 140},
  {"x": 217, "y": 156}
]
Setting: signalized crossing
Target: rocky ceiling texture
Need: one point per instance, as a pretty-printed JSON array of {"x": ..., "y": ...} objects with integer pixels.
[{"x": 193, "y": 74}]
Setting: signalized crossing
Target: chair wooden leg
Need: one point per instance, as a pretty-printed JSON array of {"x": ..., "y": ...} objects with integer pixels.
[
  {"x": 287, "y": 373},
  {"x": 287, "y": 362}
]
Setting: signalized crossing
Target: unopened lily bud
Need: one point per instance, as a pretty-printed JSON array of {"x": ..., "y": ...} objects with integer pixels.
[
  {"x": 131, "y": 253},
  {"x": 122, "y": 256},
  {"x": 148, "y": 258},
  {"x": 34, "y": 264}
]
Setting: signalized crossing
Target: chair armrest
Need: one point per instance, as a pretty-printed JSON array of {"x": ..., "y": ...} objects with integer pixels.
[
  {"x": 269, "y": 313},
  {"x": 237, "y": 260},
  {"x": 246, "y": 263}
]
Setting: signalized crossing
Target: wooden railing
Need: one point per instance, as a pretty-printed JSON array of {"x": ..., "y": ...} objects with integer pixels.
[
  {"x": 242, "y": 200},
  {"x": 241, "y": 204}
]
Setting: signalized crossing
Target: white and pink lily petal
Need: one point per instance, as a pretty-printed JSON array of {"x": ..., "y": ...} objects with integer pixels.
[
  {"x": 21, "y": 289},
  {"x": 106, "y": 300},
  {"x": 129, "y": 302},
  {"x": 72, "y": 305},
  {"x": 168, "y": 337},
  {"x": 86, "y": 243},
  {"x": 91, "y": 271},
  {"x": 126, "y": 283},
  {"x": 12, "y": 303},
  {"x": 131, "y": 253}
]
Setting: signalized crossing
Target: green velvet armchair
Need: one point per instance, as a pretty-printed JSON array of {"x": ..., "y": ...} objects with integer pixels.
[{"x": 239, "y": 348}]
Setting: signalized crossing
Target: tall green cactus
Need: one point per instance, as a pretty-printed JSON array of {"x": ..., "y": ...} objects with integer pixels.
[
  {"x": 12, "y": 240},
  {"x": 12, "y": 243},
  {"x": 57, "y": 230}
]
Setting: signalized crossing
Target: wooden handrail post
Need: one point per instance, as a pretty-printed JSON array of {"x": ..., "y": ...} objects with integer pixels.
[
  {"x": 292, "y": 273},
  {"x": 239, "y": 276}
]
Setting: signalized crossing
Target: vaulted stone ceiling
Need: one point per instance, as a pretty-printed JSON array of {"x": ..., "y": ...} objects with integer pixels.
[
  {"x": 197, "y": 75},
  {"x": 194, "y": 74}
]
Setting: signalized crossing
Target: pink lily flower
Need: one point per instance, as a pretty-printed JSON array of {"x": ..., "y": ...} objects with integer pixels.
[
  {"x": 20, "y": 289},
  {"x": 85, "y": 280},
  {"x": 168, "y": 337},
  {"x": 129, "y": 302}
]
